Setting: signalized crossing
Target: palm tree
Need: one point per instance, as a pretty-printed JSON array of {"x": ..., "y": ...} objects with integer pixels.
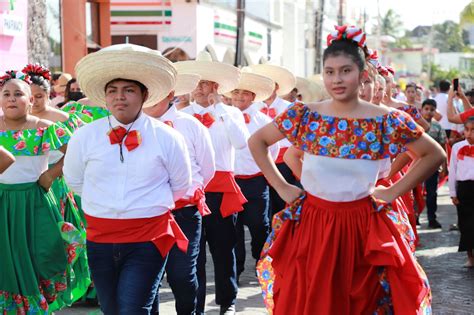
[
  {"x": 38, "y": 46},
  {"x": 391, "y": 24},
  {"x": 467, "y": 15}
]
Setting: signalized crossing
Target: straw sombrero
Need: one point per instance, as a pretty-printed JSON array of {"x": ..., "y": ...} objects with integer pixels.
[
  {"x": 260, "y": 85},
  {"x": 310, "y": 90},
  {"x": 130, "y": 62},
  {"x": 281, "y": 75},
  {"x": 186, "y": 83},
  {"x": 322, "y": 93},
  {"x": 227, "y": 76}
]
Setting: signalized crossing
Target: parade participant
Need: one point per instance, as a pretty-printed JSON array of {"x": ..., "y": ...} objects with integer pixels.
[
  {"x": 189, "y": 210},
  {"x": 40, "y": 88},
  {"x": 252, "y": 88},
  {"x": 6, "y": 159},
  {"x": 410, "y": 92},
  {"x": 380, "y": 88},
  {"x": 442, "y": 105},
  {"x": 228, "y": 132},
  {"x": 336, "y": 248},
  {"x": 129, "y": 169},
  {"x": 431, "y": 184},
  {"x": 452, "y": 114},
  {"x": 38, "y": 247},
  {"x": 60, "y": 88},
  {"x": 461, "y": 186},
  {"x": 285, "y": 81}
]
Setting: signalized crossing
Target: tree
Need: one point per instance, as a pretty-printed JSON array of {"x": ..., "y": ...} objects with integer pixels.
[
  {"x": 390, "y": 24},
  {"x": 448, "y": 37},
  {"x": 467, "y": 15},
  {"x": 38, "y": 46},
  {"x": 438, "y": 74}
]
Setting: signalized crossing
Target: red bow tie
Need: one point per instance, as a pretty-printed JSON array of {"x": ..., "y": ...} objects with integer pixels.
[
  {"x": 169, "y": 123},
  {"x": 247, "y": 118},
  {"x": 207, "y": 119},
  {"x": 467, "y": 150},
  {"x": 117, "y": 134},
  {"x": 270, "y": 112}
]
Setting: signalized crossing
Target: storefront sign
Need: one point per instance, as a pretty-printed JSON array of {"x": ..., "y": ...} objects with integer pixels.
[
  {"x": 176, "y": 39},
  {"x": 11, "y": 25},
  {"x": 146, "y": 15}
]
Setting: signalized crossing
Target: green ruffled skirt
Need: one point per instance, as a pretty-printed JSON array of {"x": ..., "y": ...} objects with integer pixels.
[
  {"x": 78, "y": 276},
  {"x": 37, "y": 250}
]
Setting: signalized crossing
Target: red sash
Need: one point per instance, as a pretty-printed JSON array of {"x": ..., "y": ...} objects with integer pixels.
[
  {"x": 233, "y": 199},
  {"x": 281, "y": 153},
  {"x": 199, "y": 200},
  {"x": 163, "y": 231}
]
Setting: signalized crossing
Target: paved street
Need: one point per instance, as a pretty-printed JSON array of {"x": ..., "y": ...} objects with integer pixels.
[{"x": 453, "y": 285}]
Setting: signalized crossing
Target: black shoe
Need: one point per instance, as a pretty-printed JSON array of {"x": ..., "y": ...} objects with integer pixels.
[
  {"x": 418, "y": 221},
  {"x": 227, "y": 310},
  {"x": 433, "y": 224}
]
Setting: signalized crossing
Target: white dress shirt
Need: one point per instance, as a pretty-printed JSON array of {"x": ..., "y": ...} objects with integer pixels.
[
  {"x": 280, "y": 105},
  {"x": 245, "y": 164},
  {"x": 198, "y": 142},
  {"x": 146, "y": 184},
  {"x": 442, "y": 106},
  {"x": 459, "y": 170},
  {"x": 228, "y": 132}
]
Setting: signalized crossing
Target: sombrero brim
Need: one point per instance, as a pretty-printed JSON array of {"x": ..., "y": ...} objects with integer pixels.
[
  {"x": 155, "y": 72},
  {"x": 284, "y": 77},
  {"x": 227, "y": 76},
  {"x": 260, "y": 85},
  {"x": 186, "y": 83}
]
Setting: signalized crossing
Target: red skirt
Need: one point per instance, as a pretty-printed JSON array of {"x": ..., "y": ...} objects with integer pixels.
[{"x": 341, "y": 258}]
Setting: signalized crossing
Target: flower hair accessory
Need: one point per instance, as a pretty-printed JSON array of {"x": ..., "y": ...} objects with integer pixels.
[
  {"x": 37, "y": 69},
  {"x": 373, "y": 58},
  {"x": 382, "y": 70},
  {"x": 13, "y": 74},
  {"x": 390, "y": 69},
  {"x": 347, "y": 32}
]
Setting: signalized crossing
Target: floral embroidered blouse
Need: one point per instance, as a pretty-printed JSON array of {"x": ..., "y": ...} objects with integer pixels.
[{"x": 344, "y": 157}]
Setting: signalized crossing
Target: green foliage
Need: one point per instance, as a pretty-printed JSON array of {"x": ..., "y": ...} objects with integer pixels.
[
  {"x": 438, "y": 74},
  {"x": 448, "y": 37},
  {"x": 391, "y": 24},
  {"x": 467, "y": 14}
]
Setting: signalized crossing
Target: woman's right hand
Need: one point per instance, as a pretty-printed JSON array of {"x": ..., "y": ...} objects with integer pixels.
[
  {"x": 290, "y": 193},
  {"x": 455, "y": 200}
]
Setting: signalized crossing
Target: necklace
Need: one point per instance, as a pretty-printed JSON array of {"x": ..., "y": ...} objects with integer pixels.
[{"x": 6, "y": 126}]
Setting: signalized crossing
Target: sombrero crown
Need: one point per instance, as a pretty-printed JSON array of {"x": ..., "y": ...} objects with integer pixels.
[
  {"x": 260, "y": 85},
  {"x": 227, "y": 76},
  {"x": 282, "y": 76},
  {"x": 129, "y": 62}
]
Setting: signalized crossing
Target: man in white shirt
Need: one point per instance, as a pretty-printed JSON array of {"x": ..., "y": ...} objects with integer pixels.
[
  {"x": 252, "y": 88},
  {"x": 442, "y": 106},
  {"x": 129, "y": 169},
  {"x": 181, "y": 267},
  {"x": 285, "y": 81},
  {"x": 223, "y": 196}
]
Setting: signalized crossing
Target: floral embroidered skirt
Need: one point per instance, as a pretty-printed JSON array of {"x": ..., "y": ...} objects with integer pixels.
[
  {"x": 78, "y": 275},
  {"x": 328, "y": 257},
  {"x": 37, "y": 249}
]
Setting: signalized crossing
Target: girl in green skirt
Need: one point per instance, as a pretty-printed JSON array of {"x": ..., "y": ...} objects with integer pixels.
[{"x": 38, "y": 247}]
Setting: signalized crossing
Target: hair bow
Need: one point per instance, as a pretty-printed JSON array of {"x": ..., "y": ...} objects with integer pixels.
[
  {"x": 13, "y": 74},
  {"x": 347, "y": 32},
  {"x": 37, "y": 69},
  {"x": 373, "y": 58},
  {"x": 390, "y": 69},
  {"x": 382, "y": 70}
]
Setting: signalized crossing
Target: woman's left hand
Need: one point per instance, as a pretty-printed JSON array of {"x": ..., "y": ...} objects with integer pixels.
[
  {"x": 384, "y": 194},
  {"x": 46, "y": 180}
]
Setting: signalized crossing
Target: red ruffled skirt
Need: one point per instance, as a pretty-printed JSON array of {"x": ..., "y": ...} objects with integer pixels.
[{"x": 328, "y": 257}]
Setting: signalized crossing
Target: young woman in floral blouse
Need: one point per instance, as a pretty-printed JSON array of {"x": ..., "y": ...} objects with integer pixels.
[
  {"x": 337, "y": 249},
  {"x": 37, "y": 246}
]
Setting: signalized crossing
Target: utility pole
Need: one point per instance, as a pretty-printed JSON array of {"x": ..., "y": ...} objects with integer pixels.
[
  {"x": 239, "y": 43},
  {"x": 318, "y": 33},
  {"x": 340, "y": 15}
]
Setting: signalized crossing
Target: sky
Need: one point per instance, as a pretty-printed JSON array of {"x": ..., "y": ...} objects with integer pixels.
[{"x": 418, "y": 12}]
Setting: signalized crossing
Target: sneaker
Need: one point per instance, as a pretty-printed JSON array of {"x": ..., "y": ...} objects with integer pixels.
[
  {"x": 227, "y": 310},
  {"x": 434, "y": 224},
  {"x": 454, "y": 227}
]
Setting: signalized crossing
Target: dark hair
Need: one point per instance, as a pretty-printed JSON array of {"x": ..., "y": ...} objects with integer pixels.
[
  {"x": 444, "y": 85},
  {"x": 410, "y": 85},
  {"x": 68, "y": 88},
  {"x": 348, "y": 48},
  {"x": 41, "y": 82},
  {"x": 470, "y": 93},
  {"x": 429, "y": 102},
  {"x": 55, "y": 76},
  {"x": 175, "y": 54},
  {"x": 142, "y": 87},
  {"x": 469, "y": 120}
]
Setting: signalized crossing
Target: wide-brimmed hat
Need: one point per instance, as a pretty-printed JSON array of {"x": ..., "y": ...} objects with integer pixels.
[
  {"x": 321, "y": 92},
  {"x": 186, "y": 83},
  {"x": 260, "y": 85},
  {"x": 61, "y": 83},
  {"x": 129, "y": 62},
  {"x": 282, "y": 76},
  {"x": 227, "y": 76}
]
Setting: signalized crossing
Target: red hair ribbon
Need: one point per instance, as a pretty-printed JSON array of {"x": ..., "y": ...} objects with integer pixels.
[
  {"x": 37, "y": 69},
  {"x": 347, "y": 32},
  {"x": 373, "y": 58},
  {"x": 382, "y": 70},
  {"x": 13, "y": 74},
  {"x": 390, "y": 69}
]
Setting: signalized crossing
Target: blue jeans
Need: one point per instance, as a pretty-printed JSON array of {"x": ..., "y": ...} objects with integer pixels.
[
  {"x": 219, "y": 232},
  {"x": 255, "y": 217},
  {"x": 431, "y": 186},
  {"x": 181, "y": 267},
  {"x": 126, "y": 276}
]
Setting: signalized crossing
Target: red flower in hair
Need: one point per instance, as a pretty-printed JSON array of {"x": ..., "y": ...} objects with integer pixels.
[
  {"x": 347, "y": 32},
  {"x": 37, "y": 69}
]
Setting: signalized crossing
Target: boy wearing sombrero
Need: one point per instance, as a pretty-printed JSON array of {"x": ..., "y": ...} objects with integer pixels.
[
  {"x": 129, "y": 169},
  {"x": 181, "y": 267},
  {"x": 252, "y": 88},
  {"x": 285, "y": 81},
  {"x": 228, "y": 133}
]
